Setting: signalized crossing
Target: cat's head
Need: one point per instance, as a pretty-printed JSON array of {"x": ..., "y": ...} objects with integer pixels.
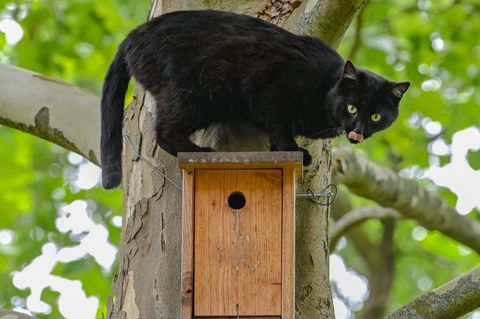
[{"x": 364, "y": 102}]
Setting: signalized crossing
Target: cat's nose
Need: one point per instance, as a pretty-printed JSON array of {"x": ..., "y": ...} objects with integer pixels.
[{"x": 359, "y": 127}]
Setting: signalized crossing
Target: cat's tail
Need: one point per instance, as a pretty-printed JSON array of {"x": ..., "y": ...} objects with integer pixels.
[{"x": 113, "y": 97}]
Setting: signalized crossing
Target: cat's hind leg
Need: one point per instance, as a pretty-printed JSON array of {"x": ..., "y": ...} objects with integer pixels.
[
  {"x": 175, "y": 138},
  {"x": 175, "y": 121},
  {"x": 173, "y": 142}
]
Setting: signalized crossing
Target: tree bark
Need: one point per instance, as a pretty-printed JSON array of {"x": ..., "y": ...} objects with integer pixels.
[
  {"x": 452, "y": 300},
  {"x": 148, "y": 282},
  {"x": 58, "y": 112},
  {"x": 9, "y": 314}
]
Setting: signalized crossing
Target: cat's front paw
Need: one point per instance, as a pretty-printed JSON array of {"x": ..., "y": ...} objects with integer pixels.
[
  {"x": 273, "y": 147},
  {"x": 206, "y": 149},
  {"x": 307, "y": 158}
]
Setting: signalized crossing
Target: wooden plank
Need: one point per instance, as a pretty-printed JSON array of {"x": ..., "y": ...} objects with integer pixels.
[
  {"x": 238, "y": 252},
  {"x": 242, "y": 317},
  {"x": 187, "y": 245},
  {"x": 239, "y": 157},
  {"x": 288, "y": 245},
  {"x": 242, "y": 160}
]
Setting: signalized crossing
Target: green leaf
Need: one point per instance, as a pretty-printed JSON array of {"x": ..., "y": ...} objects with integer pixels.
[{"x": 473, "y": 158}]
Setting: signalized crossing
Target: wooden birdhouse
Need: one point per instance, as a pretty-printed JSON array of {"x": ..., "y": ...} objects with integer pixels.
[{"x": 238, "y": 234}]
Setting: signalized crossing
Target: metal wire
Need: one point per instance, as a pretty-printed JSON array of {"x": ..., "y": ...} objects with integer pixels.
[
  {"x": 160, "y": 171},
  {"x": 329, "y": 192}
]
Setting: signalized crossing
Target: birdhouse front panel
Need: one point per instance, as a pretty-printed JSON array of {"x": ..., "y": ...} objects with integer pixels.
[
  {"x": 238, "y": 242},
  {"x": 238, "y": 234}
]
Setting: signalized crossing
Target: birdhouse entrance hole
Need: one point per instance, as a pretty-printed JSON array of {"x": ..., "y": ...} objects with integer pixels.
[{"x": 236, "y": 200}]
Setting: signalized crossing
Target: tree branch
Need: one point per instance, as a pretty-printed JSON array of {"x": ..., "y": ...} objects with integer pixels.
[
  {"x": 357, "y": 217},
  {"x": 379, "y": 259},
  {"x": 326, "y": 19},
  {"x": 357, "y": 39},
  {"x": 52, "y": 110},
  {"x": 9, "y": 314},
  {"x": 390, "y": 190},
  {"x": 357, "y": 236},
  {"x": 381, "y": 275},
  {"x": 450, "y": 301}
]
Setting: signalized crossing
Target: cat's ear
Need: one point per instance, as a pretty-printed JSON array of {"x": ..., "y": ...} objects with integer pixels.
[
  {"x": 400, "y": 88},
  {"x": 349, "y": 71}
]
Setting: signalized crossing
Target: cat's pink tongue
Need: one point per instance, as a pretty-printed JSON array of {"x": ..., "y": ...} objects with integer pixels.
[{"x": 355, "y": 136}]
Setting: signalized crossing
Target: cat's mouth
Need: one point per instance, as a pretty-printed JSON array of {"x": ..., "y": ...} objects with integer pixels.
[{"x": 355, "y": 137}]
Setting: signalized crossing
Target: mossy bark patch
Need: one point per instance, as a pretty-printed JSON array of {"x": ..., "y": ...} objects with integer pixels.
[
  {"x": 43, "y": 130},
  {"x": 92, "y": 158},
  {"x": 42, "y": 119}
]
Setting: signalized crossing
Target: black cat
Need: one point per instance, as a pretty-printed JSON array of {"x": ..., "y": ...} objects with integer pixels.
[{"x": 204, "y": 67}]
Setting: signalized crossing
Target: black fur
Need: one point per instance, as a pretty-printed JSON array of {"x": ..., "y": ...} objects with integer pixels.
[{"x": 204, "y": 67}]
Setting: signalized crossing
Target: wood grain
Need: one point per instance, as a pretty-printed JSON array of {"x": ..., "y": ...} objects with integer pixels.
[
  {"x": 288, "y": 244},
  {"x": 187, "y": 245},
  {"x": 237, "y": 253},
  {"x": 241, "y": 317}
]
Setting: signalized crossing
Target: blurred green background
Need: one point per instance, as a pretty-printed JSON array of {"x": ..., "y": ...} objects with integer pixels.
[{"x": 433, "y": 44}]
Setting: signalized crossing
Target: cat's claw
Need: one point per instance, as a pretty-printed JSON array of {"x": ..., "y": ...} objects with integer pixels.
[{"x": 307, "y": 158}]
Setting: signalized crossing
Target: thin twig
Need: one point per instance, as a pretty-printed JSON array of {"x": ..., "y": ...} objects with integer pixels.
[
  {"x": 357, "y": 39},
  {"x": 357, "y": 217}
]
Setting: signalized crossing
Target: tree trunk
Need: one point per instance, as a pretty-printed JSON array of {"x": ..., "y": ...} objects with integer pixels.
[{"x": 148, "y": 282}]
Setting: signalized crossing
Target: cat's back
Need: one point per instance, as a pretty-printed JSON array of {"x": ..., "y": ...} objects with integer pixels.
[
  {"x": 215, "y": 49},
  {"x": 186, "y": 34},
  {"x": 206, "y": 23}
]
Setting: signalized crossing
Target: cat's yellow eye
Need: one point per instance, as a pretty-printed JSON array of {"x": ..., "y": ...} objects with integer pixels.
[
  {"x": 376, "y": 117},
  {"x": 351, "y": 109}
]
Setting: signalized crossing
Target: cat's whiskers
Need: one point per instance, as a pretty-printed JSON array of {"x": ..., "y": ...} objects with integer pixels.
[{"x": 330, "y": 132}]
